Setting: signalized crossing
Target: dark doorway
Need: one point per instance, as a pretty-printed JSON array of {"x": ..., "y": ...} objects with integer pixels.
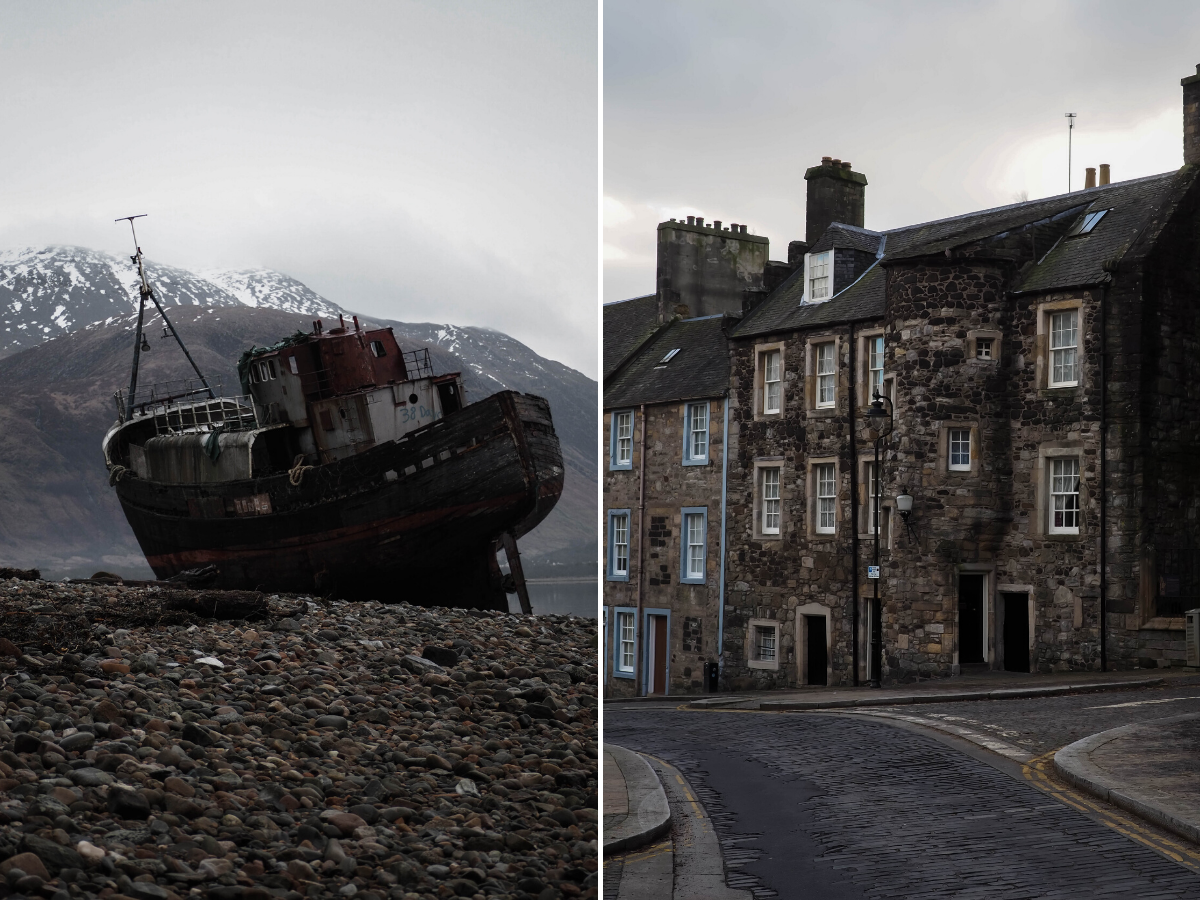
[
  {"x": 448, "y": 394},
  {"x": 970, "y": 619},
  {"x": 1016, "y": 632},
  {"x": 815, "y": 649}
]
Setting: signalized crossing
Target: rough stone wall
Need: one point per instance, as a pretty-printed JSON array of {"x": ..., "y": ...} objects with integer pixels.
[
  {"x": 670, "y": 486},
  {"x": 704, "y": 272},
  {"x": 772, "y": 577}
]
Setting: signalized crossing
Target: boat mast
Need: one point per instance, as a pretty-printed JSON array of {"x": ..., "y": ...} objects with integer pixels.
[{"x": 145, "y": 291}]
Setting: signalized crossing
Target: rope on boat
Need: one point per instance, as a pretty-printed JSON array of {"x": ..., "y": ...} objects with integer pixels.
[
  {"x": 115, "y": 474},
  {"x": 296, "y": 472}
]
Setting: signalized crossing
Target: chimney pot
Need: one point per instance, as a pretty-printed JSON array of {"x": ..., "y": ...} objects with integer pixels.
[
  {"x": 691, "y": 220},
  {"x": 828, "y": 160},
  {"x": 733, "y": 226},
  {"x": 1089, "y": 180},
  {"x": 1104, "y": 173},
  {"x": 743, "y": 229},
  {"x": 717, "y": 224},
  {"x": 845, "y": 165},
  {"x": 700, "y": 221},
  {"x": 837, "y": 163}
]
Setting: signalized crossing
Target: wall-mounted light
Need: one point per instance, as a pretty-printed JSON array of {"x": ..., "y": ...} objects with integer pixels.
[{"x": 904, "y": 503}]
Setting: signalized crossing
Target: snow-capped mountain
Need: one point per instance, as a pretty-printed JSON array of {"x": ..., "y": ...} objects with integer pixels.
[{"x": 48, "y": 291}]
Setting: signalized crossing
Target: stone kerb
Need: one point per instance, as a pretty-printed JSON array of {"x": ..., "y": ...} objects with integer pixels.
[{"x": 648, "y": 814}]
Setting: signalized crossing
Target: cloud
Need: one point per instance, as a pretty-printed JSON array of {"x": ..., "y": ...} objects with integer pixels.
[
  {"x": 435, "y": 160},
  {"x": 947, "y": 108}
]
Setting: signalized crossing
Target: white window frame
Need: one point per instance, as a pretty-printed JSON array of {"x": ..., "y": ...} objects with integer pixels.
[
  {"x": 875, "y": 353},
  {"x": 615, "y": 463},
  {"x": 754, "y": 629},
  {"x": 871, "y": 475},
  {"x": 770, "y": 356},
  {"x": 613, "y": 572},
  {"x": 825, "y": 369},
  {"x": 625, "y": 642},
  {"x": 818, "y": 267},
  {"x": 1055, "y": 490},
  {"x": 771, "y": 506},
  {"x": 1064, "y": 345},
  {"x": 825, "y": 504},
  {"x": 693, "y": 523},
  {"x": 695, "y": 454},
  {"x": 951, "y": 434}
]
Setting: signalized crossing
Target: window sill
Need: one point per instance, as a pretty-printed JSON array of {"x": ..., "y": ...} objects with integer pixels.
[
  {"x": 628, "y": 468},
  {"x": 695, "y": 462},
  {"x": 822, "y": 412},
  {"x": 1164, "y": 623},
  {"x": 699, "y": 581},
  {"x": 616, "y": 578},
  {"x": 760, "y": 664},
  {"x": 1049, "y": 393},
  {"x": 761, "y": 416},
  {"x": 618, "y": 674},
  {"x": 1065, "y": 538}
]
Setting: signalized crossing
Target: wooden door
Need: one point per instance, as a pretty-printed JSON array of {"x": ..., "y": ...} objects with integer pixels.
[{"x": 659, "y": 654}]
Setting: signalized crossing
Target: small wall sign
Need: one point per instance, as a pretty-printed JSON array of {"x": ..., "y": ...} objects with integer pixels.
[{"x": 872, "y": 571}]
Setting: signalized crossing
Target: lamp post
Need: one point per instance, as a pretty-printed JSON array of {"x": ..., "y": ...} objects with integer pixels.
[{"x": 876, "y": 417}]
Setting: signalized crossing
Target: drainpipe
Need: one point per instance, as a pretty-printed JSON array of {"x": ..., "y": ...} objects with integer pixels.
[
  {"x": 637, "y": 625},
  {"x": 721, "y": 591},
  {"x": 1103, "y": 478},
  {"x": 853, "y": 519}
]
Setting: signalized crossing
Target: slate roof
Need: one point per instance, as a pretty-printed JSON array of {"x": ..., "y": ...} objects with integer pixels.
[
  {"x": 850, "y": 237},
  {"x": 627, "y": 325},
  {"x": 1072, "y": 262},
  {"x": 700, "y": 369}
]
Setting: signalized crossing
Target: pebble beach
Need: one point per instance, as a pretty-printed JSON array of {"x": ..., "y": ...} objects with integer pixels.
[{"x": 327, "y": 749}]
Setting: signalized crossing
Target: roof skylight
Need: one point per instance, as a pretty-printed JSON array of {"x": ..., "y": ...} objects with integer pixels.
[
  {"x": 666, "y": 359},
  {"x": 1087, "y": 223}
]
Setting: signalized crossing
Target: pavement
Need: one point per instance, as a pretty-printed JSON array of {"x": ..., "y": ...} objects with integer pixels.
[
  {"x": 1097, "y": 747},
  {"x": 1149, "y": 769}
]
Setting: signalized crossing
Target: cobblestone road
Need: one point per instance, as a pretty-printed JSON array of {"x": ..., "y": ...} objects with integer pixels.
[
  {"x": 822, "y": 806},
  {"x": 1052, "y": 722}
]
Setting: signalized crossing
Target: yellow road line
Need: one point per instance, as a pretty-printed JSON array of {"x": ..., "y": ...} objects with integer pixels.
[
  {"x": 1035, "y": 772},
  {"x": 647, "y": 853}
]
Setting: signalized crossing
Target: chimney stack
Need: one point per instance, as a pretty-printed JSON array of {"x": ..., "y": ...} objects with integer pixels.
[
  {"x": 1089, "y": 180},
  {"x": 836, "y": 193},
  {"x": 1191, "y": 118},
  {"x": 1103, "y": 174}
]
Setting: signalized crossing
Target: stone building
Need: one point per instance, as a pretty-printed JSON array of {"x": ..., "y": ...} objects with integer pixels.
[{"x": 1039, "y": 363}]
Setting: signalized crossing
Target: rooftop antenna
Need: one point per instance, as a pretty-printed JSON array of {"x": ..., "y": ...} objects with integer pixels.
[
  {"x": 1070, "y": 117},
  {"x": 146, "y": 291}
]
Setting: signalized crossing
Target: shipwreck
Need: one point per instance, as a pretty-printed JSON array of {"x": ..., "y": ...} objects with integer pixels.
[{"x": 344, "y": 466}]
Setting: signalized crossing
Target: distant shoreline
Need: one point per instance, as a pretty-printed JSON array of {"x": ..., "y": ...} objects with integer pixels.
[{"x": 566, "y": 579}]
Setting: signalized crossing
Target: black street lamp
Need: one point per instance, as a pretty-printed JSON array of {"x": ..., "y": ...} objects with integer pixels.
[{"x": 876, "y": 417}]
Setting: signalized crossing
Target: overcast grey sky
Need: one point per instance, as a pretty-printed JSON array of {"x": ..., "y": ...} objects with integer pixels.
[
  {"x": 427, "y": 161},
  {"x": 716, "y": 109}
]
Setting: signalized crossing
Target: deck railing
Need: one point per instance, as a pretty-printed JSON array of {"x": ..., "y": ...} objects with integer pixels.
[{"x": 181, "y": 407}]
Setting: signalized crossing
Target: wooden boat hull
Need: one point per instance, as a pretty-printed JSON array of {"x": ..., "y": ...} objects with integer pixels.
[{"x": 410, "y": 520}]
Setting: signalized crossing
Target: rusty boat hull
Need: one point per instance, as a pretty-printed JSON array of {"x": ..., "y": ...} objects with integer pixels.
[{"x": 409, "y": 520}]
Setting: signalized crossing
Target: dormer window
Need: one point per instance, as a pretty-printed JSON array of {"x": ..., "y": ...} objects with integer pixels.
[
  {"x": 1087, "y": 223},
  {"x": 820, "y": 281},
  {"x": 377, "y": 349}
]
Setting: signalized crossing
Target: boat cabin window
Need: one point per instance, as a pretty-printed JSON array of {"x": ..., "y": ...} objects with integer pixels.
[
  {"x": 377, "y": 349},
  {"x": 263, "y": 371}
]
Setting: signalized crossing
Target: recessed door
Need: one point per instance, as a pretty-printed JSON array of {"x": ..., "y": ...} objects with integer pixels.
[
  {"x": 658, "y": 655},
  {"x": 815, "y": 650},
  {"x": 1016, "y": 632},
  {"x": 971, "y": 618}
]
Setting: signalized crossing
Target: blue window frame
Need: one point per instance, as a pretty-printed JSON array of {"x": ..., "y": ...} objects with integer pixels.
[
  {"x": 620, "y": 439},
  {"x": 617, "y": 568},
  {"x": 695, "y": 434},
  {"x": 693, "y": 544},
  {"x": 624, "y": 643}
]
